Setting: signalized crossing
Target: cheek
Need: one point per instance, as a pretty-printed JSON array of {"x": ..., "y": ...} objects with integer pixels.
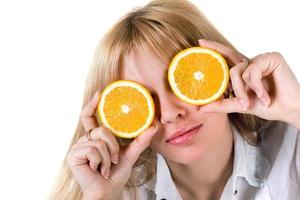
[
  {"x": 216, "y": 129},
  {"x": 215, "y": 132},
  {"x": 156, "y": 143},
  {"x": 216, "y": 123}
]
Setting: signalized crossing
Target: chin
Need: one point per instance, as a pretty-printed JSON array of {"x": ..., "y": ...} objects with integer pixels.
[
  {"x": 184, "y": 155},
  {"x": 186, "y": 159}
]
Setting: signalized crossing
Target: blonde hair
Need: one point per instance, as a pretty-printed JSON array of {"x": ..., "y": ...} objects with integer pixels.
[{"x": 167, "y": 26}]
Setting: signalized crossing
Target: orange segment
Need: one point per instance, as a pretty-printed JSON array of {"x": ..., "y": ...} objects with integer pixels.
[
  {"x": 126, "y": 108},
  {"x": 198, "y": 75}
]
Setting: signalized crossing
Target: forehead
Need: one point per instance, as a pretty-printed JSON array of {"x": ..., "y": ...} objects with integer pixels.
[{"x": 144, "y": 67}]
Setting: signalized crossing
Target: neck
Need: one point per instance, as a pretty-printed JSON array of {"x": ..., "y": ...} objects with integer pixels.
[{"x": 206, "y": 177}]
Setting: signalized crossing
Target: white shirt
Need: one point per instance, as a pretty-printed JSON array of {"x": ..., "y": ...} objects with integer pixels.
[{"x": 269, "y": 171}]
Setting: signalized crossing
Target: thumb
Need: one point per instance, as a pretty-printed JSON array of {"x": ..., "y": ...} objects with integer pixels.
[
  {"x": 228, "y": 105},
  {"x": 139, "y": 144}
]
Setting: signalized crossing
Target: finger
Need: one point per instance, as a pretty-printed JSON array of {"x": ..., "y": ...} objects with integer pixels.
[
  {"x": 230, "y": 105},
  {"x": 105, "y": 158},
  {"x": 101, "y": 148},
  {"x": 253, "y": 77},
  {"x": 238, "y": 83},
  {"x": 102, "y": 133},
  {"x": 94, "y": 158},
  {"x": 88, "y": 119},
  {"x": 81, "y": 154},
  {"x": 139, "y": 144},
  {"x": 232, "y": 56}
]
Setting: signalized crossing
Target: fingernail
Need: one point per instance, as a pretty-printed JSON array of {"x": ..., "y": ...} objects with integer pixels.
[
  {"x": 259, "y": 94},
  {"x": 94, "y": 167},
  {"x": 115, "y": 159},
  {"x": 106, "y": 175}
]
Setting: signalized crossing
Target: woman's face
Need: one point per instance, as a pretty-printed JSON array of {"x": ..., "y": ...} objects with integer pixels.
[{"x": 172, "y": 114}]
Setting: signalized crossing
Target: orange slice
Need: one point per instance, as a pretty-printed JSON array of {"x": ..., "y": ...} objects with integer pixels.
[
  {"x": 126, "y": 108},
  {"x": 198, "y": 75}
]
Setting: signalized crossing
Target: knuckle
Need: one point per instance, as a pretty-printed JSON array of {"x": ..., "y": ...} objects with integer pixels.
[
  {"x": 90, "y": 150},
  {"x": 276, "y": 55},
  {"x": 100, "y": 144},
  {"x": 233, "y": 71},
  {"x": 141, "y": 143},
  {"x": 98, "y": 131},
  {"x": 247, "y": 73},
  {"x": 245, "y": 76}
]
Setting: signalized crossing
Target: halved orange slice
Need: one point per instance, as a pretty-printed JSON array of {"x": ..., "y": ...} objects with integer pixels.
[
  {"x": 198, "y": 75},
  {"x": 126, "y": 108}
]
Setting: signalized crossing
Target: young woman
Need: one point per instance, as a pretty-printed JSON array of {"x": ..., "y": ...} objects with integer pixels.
[{"x": 246, "y": 147}]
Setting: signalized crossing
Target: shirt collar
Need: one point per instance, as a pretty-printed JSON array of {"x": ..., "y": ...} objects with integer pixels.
[
  {"x": 249, "y": 163},
  {"x": 165, "y": 187}
]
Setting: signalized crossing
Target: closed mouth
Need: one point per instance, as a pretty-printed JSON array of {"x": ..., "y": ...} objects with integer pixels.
[{"x": 183, "y": 133}]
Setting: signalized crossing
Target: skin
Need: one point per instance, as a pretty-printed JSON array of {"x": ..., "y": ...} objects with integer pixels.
[
  {"x": 265, "y": 87},
  {"x": 185, "y": 161}
]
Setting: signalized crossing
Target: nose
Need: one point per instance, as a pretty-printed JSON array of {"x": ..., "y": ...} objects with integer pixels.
[{"x": 171, "y": 110}]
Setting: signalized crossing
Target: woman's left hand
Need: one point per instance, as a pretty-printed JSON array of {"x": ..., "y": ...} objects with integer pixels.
[{"x": 264, "y": 86}]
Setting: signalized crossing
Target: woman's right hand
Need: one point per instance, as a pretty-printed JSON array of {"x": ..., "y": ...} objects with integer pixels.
[{"x": 100, "y": 167}]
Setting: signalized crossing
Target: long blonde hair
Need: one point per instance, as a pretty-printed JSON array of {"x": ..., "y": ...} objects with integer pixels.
[{"x": 168, "y": 26}]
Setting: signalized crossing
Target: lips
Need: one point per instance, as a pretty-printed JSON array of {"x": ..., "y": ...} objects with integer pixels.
[{"x": 182, "y": 132}]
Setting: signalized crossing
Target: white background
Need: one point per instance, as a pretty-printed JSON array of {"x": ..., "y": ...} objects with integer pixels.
[{"x": 45, "y": 52}]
